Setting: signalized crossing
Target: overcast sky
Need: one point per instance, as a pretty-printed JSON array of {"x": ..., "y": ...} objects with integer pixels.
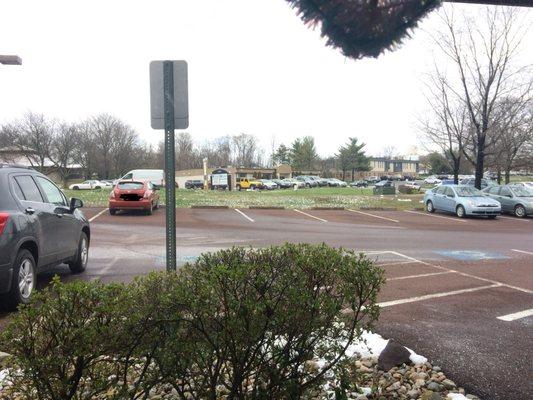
[{"x": 253, "y": 67}]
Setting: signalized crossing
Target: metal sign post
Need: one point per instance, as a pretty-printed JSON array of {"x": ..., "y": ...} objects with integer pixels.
[
  {"x": 169, "y": 110},
  {"x": 170, "y": 164}
]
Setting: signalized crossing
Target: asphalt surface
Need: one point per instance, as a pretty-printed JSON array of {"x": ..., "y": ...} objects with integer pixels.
[{"x": 448, "y": 279}]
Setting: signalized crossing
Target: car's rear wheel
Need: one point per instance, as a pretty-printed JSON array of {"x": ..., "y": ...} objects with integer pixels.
[
  {"x": 112, "y": 211},
  {"x": 97, "y": 187},
  {"x": 460, "y": 211},
  {"x": 82, "y": 257},
  {"x": 520, "y": 211},
  {"x": 429, "y": 207},
  {"x": 24, "y": 280}
]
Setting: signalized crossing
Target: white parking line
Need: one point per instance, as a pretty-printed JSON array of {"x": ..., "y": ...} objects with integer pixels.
[
  {"x": 514, "y": 218},
  {"x": 309, "y": 215},
  {"x": 97, "y": 215},
  {"x": 517, "y": 315},
  {"x": 522, "y": 251},
  {"x": 434, "y": 295},
  {"x": 520, "y": 289},
  {"x": 399, "y": 278},
  {"x": 244, "y": 215},
  {"x": 436, "y": 216},
  {"x": 373, "y": 215},
  {"x": 395, "y": 263}
]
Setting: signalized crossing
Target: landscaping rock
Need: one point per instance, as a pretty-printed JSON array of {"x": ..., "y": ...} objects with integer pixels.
[
  {"x": 393, "y": 355},
  {"x": 434, "y": 386}
]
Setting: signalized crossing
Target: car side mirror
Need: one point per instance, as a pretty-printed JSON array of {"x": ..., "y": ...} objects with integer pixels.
[{"x": 75, "y": 203}]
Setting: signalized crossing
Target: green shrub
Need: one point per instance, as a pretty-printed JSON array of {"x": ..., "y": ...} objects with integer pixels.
[
  {"x": 240, "y": 323},
  {"x": 78, "y": 340}
]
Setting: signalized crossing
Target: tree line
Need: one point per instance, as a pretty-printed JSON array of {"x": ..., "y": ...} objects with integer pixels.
[{"x": 481, "y": 109}]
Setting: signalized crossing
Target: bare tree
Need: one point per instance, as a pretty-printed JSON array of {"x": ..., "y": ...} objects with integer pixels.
[
  {"x": 483, "y": 51},
  {"x": 186, "y": 157},
  {"x": 244, "y": 148},
  {"x": 63, "y": 148},
  {"x": 389, "y": 151},
  {"x": 446, "y": 126}
]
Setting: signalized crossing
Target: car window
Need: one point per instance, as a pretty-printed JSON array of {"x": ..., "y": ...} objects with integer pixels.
[
  {"x": 18, "y": 191},
  {"x": 29, "y": 188},
  {"x": 522, "y": 191},
  {"x": 53, "y": 194},
  {"x": 131, "y": 185},
  {"x": 449, "y": 192},
  {"x": 494, "y": 190},
  {"x": 505, "y": 192},
  {"x": 468, "y": 191},
  {"x": 440, "y": 190},
  {"x": 128, "y": 176}
]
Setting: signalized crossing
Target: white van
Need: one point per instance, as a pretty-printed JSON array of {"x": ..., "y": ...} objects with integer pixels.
[{"x": 156, "y": 176}]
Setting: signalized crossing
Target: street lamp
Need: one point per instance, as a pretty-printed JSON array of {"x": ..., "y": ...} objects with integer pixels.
[{"x": 10, "y": 60}]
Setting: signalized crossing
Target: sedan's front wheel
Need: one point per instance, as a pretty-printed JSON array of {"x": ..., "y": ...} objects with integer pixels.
[
  {"x": 460, "y": 211},
  {"x": 24, "y": 280},
  {"x": 429, "y": 207},
  {"x": 520, "y": 211}
]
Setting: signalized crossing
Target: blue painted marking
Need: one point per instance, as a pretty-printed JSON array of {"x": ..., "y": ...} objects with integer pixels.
[{"x": 470, "y": 255}]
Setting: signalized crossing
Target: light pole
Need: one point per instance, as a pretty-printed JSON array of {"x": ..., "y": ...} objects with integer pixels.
[{"x": 10, "y": 60}]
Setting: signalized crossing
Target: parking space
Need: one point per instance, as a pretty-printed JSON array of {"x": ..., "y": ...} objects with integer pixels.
[{"x": 461, "y": 280}]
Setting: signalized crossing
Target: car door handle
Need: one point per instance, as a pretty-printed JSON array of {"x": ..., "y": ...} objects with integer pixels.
[{"x": 29, "y": 210}]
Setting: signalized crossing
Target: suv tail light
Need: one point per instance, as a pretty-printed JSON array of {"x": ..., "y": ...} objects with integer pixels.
[{"x": 4, "y": 218}]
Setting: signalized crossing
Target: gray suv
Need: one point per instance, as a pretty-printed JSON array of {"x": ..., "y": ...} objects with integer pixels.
[{"x": 39, "y": 228}]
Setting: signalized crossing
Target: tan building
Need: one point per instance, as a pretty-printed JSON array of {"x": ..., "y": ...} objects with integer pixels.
[{"x": 381, "y": 166}]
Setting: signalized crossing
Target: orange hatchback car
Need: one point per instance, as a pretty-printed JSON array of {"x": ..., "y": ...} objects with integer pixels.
[{"x": 134, "y": 195}]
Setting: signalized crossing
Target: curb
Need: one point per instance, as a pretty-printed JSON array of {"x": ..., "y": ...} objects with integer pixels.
[
  {"x": 266, "y": 208},
  {"x": 378, "y": 209},
  {"x": 215, "y": 207},
  {"x": 328, "y": 208}
]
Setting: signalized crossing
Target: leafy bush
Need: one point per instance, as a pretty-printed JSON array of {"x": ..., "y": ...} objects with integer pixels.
[{"x": 241, "y": 323}]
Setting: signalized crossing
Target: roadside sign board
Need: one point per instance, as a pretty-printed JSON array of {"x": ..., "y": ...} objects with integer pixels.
[
  {"x": 181, "y": 95},
  {"x": 219, "y": 180}
]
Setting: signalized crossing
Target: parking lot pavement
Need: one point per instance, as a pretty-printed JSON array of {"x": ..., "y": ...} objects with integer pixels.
[{"x": 460, "y": 293}]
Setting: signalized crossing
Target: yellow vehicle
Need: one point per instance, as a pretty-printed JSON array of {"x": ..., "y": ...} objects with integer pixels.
[{"x": 245, "y": 183}]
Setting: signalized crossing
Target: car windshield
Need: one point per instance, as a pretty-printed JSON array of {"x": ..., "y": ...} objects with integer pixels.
[
  {"x": 468, "y": 192},
  {"x": 522, "y": 191},
  {"x": 131, "y": 185}
]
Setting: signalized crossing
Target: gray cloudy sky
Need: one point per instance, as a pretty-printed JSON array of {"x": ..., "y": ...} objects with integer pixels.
[{"x": 253, "y": 67}]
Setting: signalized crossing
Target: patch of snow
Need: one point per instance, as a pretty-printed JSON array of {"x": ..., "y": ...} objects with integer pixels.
[
  {"x": 456, "y": 396},
  {"x": 372, "y": 344},
  {"x": 366, "y": 391}
]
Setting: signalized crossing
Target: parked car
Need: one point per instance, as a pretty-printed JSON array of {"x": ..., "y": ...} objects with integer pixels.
[
  {"x": 107, "y": 183},
  {"x": 336, "y": 183},
  {"x": 268, "y": 184},
  {"x": 514, "y": 199},
  {"x": 308, "y": 181},
  {"x": 372, "y": 179},
  {"x": 134, "y": 195},
  {"x": 461, "y": 200},
  {"x": 409, "y": 187},
  {"x": 194, "y": 184},
  {"x": 432, "y": 180},
  {"x": 249, "y": 183},
  {"x": 384, "y": 183},
  {"x": 295, "y": 183},
  {"x": 358, "y": 184},
  {"x": 39, "y": 228},
  {"x": 88, "y": 185},
  {"x": 283, "y": 183},
  {"x": 472, "y": 182}
]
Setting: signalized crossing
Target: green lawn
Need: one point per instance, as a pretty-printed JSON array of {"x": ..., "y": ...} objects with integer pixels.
[{"x": 302, "y": 198}]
